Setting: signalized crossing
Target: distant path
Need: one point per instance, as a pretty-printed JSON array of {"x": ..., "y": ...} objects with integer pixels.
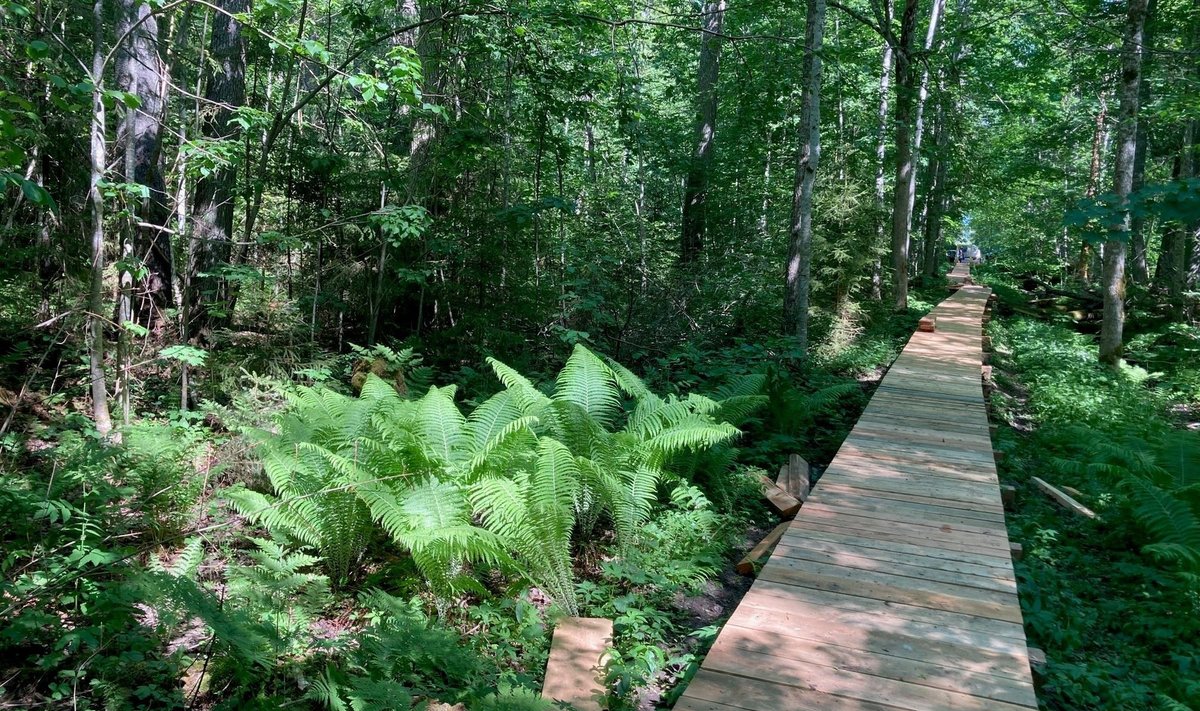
[{"x": 893, "y": 587}]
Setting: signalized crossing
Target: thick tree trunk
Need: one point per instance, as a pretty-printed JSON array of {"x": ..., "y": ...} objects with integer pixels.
[
  {"x": 1138, "y": 269},
  {"x": 141, "y": 72},
  {"x": 695, "y": 192},
  {"x": 1117, "y": 246},
  {"x": 799, "y": 263},
  {"x": 901, "y": 195},
  {"x": 213, "y": 201},
  {"x": 885, "y": 77},
  {"x": 98, "y": 155}
]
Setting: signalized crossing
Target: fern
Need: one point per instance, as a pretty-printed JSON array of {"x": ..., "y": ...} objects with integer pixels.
[
  {"x": 589, "y": 383},
  {"x": 1171, "y": 522}
]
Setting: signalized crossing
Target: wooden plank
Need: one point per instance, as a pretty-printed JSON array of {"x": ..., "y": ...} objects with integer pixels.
[
  {"x": 802, "y": 535},
  {"x": 753, "y": 695},
  {"x": 1063, "y": 499},
  {"x": 746, "y": 565},
  {"x": 995, "y": 576},
  {"x": 794, "y": 656},
  {"x": 848, "y": 684},
  {"x": 799, "y": 477},
  {"x": 801, "y": 606},
  {"x": 575, "y": 672},
  {"x": 892, "y": 589},
  {"x": 927, "y": 324},
  {"x": 784, "y": 503}
]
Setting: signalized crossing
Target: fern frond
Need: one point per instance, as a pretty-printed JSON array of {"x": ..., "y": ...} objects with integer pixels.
[
  {"x": 1171, "y": 522},
  {"x": 588, "y": 382},
  {"x": 441, "y": 424}
]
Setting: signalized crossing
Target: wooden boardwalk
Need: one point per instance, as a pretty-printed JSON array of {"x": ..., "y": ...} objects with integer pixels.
[{"x": 893, "y": 587}]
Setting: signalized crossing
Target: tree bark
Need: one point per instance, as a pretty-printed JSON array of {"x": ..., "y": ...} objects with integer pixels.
[
  {"x": 98, "y": 155},
  {"x": 1083, "y": 266},
  {"x": 799, "y": 263},
  {"x": 1170, "y": 273},
  {"x": 937, "y": 195},
  {"x": 1117, "y": 245},
  {"x": 141, "y": 72},
  {"x": 695, "y": 192},
  {"x": 428, "y": 45},
  {"x": 901, "y": 195},
  {"x": 935, "y": 16},
  {"x": 1139, "y": 270},
  {"x": 213, "y": 201},
  {"x": 885, "y": 77}
]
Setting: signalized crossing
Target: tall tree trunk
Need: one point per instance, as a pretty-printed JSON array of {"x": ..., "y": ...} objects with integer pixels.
[
  {"x": 213, "y": 201},
  {"x": 98, "y": 155},
  {"x": 901, "y": 194},
  {"x": 141, "y": 72},
  {"x": 695, "y": 192},
  {"x": 1139, "y": 270},
  {"x": 1170, "y": 274},
  {"x": 429, "y": 47},
  {"x": 1117, "y": 245},
  {"x": 1099, "y": 138},
  {"x": 885, "y": 77},
  {"x": 935, "y": 16},
  {"x": 799, "y": 263},
  {"x": 937, "y": 195}
]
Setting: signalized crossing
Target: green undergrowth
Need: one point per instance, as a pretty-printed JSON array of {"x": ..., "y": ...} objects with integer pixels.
[{"x": 1115, "y": 601}]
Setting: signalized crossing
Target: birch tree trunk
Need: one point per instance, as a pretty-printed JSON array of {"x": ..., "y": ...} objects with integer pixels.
[
  {"x": 799, "y": 263},
  {"x": 1139, "y": 272},
  {"x": 885, "y": 77},
  {"x": 1116, "y": 247},
  {"x": 695, "y": 192},
  {"x": 98, "y": 155},
  {"x": 935, "y": 16},
  {"x": 901, "y": 193}
]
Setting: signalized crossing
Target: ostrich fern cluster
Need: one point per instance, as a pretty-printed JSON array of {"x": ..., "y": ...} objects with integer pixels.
[{"x": 509, "y": 485}]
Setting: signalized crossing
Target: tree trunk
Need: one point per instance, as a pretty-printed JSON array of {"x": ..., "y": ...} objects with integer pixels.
[
  {"x": 98, "y": 155},
  {"x": 428, "y": 45},
  {"x": 885, "y": 77},
  {"x": 1117, "y": 245},
  {"x": 141, "y": 72},
  {"x": 1099, "y": 138},
  {"x": 937, "y": 196},
  {"x": 695, "y": 192},
  {"x": 1139, "y": 270},
  {"x": 799, "y": 263},
  {"x": 901, "y": 195},
  {"x": 213, "y": 201},
  {"x": 1170, "y": 274},
  {"x": 935, "y": 16}
]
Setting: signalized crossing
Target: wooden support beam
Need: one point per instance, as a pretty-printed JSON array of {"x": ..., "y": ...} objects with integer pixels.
[
  {"x": 1017, "y": 551},
  {"x": 985, "y": 372},
  {"x": 1063, "y": 499},
  {"x": 997, "y": 455},
  {"x": 575, "y": 673},
  {"x": 784, "y": 503},
  {"x": 987, "y": 343},
  {"x": 746, "y": 565},
  {"x": 993, "y": 429},
  {"x": 927, "y": 324},
  {"x": 1008, "y": 495},
  {"x": 1037, "y": 660}
]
